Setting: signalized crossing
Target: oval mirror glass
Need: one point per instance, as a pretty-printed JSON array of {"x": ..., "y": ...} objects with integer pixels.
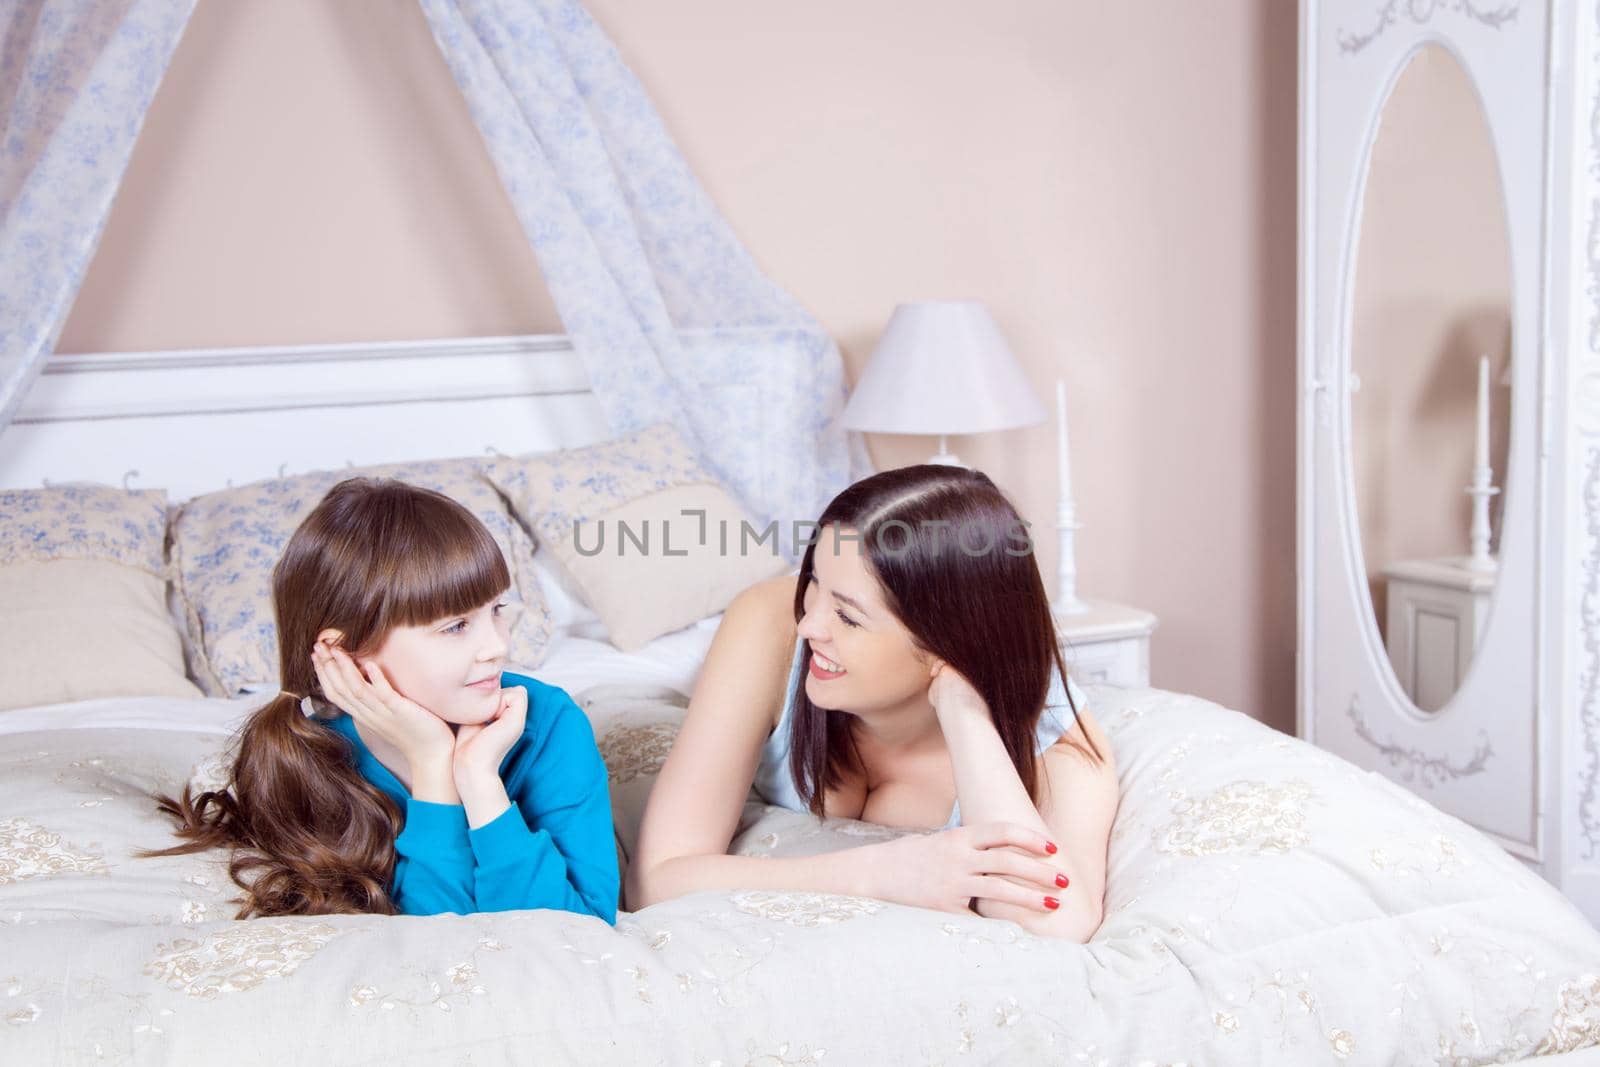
[{"x": 1430, "y": 337}]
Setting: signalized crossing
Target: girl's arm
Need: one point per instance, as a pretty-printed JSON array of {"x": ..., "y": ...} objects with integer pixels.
[
  {"x": 433, "y": 861},
  {"x": 433, "y": 857},
  {"x": 554, "y": 780},
  {"x": 1078, "y": 801}
]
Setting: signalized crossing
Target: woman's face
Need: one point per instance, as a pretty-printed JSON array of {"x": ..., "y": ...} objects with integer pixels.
[
  {"x": 850, "y": 628},
  {"x": 450, "y": 666}
]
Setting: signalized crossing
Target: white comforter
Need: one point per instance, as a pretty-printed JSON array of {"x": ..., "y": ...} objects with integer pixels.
[{"x": 1268, "y": 903}]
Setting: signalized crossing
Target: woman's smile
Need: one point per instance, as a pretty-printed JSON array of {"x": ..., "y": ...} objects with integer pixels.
[{"x": 823, "y": 668}]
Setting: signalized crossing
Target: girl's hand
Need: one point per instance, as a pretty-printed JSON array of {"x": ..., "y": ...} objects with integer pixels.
[
  {"x": 950, "y": 691},
  {"x": 480, "y": 747},
  {"x": 364, "y": 692},
  {"x": 946, "y": 869}
]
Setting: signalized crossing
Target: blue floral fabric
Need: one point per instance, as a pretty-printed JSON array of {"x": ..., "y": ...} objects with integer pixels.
[
  {"x": 673, "y": 319},
  {"x": 99, "y": 522},
  {"x": 76, "y": 78},
  {"x": 555, "y": 492}
]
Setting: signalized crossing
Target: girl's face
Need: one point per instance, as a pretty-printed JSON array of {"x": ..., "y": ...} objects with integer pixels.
[
  {"x": 450, "y": 666},
  {"x": 874, "y": 661}
]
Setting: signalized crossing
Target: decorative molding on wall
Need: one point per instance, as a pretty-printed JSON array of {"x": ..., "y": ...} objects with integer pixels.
[
  {"x": 121, "y": 385},
  {"x": 1586, "y": 452},
  {"x": 1589, "y": 660},
  {"x": 192, "y": 421},
  {"x": 1494, "y": 16},
  {"x": 1415, "y": 764}
]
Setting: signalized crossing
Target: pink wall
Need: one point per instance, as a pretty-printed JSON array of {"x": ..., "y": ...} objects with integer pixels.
[{"x": 1116, "y": 181}]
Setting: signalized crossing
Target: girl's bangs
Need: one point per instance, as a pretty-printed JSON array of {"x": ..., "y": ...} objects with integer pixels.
[{"x": 450, "y": 567}]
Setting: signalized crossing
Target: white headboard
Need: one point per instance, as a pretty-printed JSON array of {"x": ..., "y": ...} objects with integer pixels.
[{"x": 196, "y": 420}]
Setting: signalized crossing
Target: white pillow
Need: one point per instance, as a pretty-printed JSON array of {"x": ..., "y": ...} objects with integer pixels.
[{"x": 569, "y": 612}]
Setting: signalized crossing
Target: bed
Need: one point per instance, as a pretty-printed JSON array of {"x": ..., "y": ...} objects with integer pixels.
[{"x": 1267, "y": 902}]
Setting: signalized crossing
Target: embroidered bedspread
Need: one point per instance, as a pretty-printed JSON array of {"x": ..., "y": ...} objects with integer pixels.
[{"x": 1267, "y": 903}]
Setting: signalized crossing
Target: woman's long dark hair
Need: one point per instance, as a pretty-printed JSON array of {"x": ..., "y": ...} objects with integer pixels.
[
  {"x": 955, "y": 565},
  {"x": 309, "y": 834}
]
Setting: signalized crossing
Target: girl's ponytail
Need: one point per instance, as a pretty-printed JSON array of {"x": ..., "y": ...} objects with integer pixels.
[{"x": 309, "y": 834}]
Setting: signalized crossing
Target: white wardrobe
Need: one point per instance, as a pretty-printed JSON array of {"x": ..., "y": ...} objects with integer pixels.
[{"x": 1450, "y": 341}]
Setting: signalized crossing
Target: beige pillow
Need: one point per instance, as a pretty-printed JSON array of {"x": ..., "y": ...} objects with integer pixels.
[
  {"x": 648, "y": 534},
  {"x": 84, "y": 594},
  {"x": 225, "y": 544},
  {"x": 634, "y": 727}
]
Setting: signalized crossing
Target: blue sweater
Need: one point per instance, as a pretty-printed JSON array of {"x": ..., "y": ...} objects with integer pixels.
[{"x": 554, "y": 847}]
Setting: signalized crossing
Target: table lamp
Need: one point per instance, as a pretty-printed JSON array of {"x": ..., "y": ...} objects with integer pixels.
[{"x": 942, "y": 367}]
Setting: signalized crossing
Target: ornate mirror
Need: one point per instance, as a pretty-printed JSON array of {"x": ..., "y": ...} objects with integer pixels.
[
  {"x": 1423, "y": 183},
  {"x": 1449, "y": 318}
]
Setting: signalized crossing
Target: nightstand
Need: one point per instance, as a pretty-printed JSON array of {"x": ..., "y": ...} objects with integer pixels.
[
  {"x": 1437, "y": 608},
  {"x": 1108, "y": 643}
]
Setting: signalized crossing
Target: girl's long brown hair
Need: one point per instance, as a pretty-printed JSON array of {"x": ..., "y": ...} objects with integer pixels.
[
  {"x": 955, "y": 565},
  {"x": 309, "y": 835}
]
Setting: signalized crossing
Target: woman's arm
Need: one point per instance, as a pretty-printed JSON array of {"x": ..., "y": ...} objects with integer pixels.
[
  {"x": 697, "y": 799},
  {"x": 1077, "y": 805}
]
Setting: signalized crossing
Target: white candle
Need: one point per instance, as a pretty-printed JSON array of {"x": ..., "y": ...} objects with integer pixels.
[
  {"x": 1480, "y": 456},
  {"x": 1065, "y": 473}
]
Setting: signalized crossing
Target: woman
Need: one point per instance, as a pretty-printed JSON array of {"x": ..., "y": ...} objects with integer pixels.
[{"x": 909, "y": 676}]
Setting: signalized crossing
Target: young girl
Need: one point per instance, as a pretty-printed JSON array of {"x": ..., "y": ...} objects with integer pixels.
[{"x": 424, "y": 779}]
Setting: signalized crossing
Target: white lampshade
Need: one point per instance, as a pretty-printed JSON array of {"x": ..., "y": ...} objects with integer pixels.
[{"x": 942, "y": 367}]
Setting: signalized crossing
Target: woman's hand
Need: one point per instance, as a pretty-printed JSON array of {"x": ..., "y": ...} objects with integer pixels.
[
  {"x": 946, "y": 869},
  {"x": 365, "y": 694},
  {"x": 950, "y": 691}
]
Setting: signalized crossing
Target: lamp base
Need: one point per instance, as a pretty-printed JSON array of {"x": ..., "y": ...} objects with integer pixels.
[{"x": 949, "y": 459}]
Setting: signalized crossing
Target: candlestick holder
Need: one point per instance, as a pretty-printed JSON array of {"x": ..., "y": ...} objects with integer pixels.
[
  {"x": 1481, "y": 490},
  {"x": 1067, "y": 526}
]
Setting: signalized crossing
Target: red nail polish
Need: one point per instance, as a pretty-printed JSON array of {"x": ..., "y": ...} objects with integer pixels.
[
  {"x": 1052, "y": 903},
  {"x": 1061, "y": 880},
  {"x": 1050, "y": 847}
]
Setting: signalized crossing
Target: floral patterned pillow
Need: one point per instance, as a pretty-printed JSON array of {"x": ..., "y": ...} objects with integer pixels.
[
  {"x": 578, "y": 485},
  {"x": 84, "y": 521},
  {"x": 652, "y": 539},
  {"x": 225, "y": 545},
  {"x": 83, "y": 597}
]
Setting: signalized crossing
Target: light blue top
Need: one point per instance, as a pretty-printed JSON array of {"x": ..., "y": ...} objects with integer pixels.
[
  {"x": 776, "y": 784},
  {"x": 554, "y": 847}
]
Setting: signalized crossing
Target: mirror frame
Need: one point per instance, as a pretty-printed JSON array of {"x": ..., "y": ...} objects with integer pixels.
[
  {"x": 1350, "y": 297},
  {"x": 1484, "y": 743}
]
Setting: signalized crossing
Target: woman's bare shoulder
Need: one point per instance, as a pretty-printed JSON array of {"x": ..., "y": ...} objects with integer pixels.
[
  {"x": 770, "y": 597},
  {"x": 762, "y": 615},
  {"x": 754, "y": 644}
]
